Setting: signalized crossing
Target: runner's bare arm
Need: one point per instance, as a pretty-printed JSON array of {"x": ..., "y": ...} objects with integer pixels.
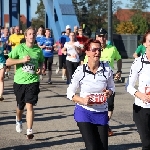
[{"x": 11, "y": 62}]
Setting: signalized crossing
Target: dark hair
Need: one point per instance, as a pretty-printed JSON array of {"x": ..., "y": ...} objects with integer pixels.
[
  {"x": 63, "y": 32},
  {"x": 41, "y": 26},
  {"x": 145, "y": 35},
  {"x": 88, "y": 43},
  {"x": 47, "y": 29}
]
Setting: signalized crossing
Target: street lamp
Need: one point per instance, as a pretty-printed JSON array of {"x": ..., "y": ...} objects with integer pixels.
[{"x": 110, "y": 21}]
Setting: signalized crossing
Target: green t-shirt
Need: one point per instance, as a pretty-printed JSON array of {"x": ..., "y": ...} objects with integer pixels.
[
  {"x": 26, "y": 73},
  {"x": 110, "y": 54},
  {"x": 140, "y": 50}
]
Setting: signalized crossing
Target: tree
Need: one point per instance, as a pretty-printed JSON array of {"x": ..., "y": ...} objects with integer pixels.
[
  {"x": 93, "y": 12},
  {"x": 139, "y": 4},
  {"x": 140, "y": 21},
  {"x": 126, "y": 28},
  {"x": 40, "y": 12}
]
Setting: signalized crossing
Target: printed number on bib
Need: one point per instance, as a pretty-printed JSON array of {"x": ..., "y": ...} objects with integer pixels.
[
  {"x": 97, "y": 98},
  {"x": 1, "y": 65},
  {"x": 48, "y": 48},
  {"x": 147, "y": 90},
  {"x": 29, "y": 68}
]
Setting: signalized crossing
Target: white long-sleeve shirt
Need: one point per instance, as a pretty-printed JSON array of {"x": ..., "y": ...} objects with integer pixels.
[
  {"x": 90, "y": 83},
  {"x": 140, "y": 69}
]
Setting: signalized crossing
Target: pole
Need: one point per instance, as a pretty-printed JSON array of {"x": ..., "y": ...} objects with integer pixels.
[{"x": 110, "y": 21}]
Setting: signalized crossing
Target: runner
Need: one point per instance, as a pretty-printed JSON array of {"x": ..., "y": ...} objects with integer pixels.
[
  {"x": 2, "y": 69},
  {"x": 140, "y": 70},
  {"x": 72, "y": 50},
  {"x": 62, "y": 40},
  {"x": 28, "y": 59},
  {"x": 91, "y": 110},
  {"x": 141, "y": 49},
  {"x": 7, "y": 49},
  {"x": 14, "y": 40},
  {"x": 46, "y": 44},
  {"x": 110, "y": 54},
  {"x": 81, "y": 39}
]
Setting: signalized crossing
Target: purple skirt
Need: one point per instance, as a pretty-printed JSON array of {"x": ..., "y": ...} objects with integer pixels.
[{"x": 83, "y": 115}]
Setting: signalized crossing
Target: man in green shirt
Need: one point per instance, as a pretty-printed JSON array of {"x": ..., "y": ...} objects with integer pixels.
[
  {"x": 110, "y": 54},
  {"x": 28, "y": 59}
]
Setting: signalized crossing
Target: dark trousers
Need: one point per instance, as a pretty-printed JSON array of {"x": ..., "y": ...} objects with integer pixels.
[
  {"x": 110, "y": 102},
  {"x": 94, "y": 136},
  {"x": 71, "y": 67},
  {"x": 141, "y": 117}
]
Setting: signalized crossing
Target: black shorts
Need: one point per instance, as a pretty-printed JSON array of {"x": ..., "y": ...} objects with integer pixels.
[
  {"x": 110, "y": 102},
  {"x": 26, "y": 93},
  {"x": 6, "y": 57},
  {"x": 62, "y": 61}
]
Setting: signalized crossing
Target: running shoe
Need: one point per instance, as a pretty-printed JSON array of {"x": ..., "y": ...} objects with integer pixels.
[
  {"x": 19, "y": 126},
  {"x": 49, "y": 82},
  {"x": 1, "y": 98},
  {"x": 110, "y": 132},
  {"x": 29, "y": 134},
  {"x": 57, "y": 70}
]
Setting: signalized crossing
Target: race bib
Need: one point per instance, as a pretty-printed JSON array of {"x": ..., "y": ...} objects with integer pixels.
[
  {"x": 48, "y": 48},
  {"x": 29, "y": 68},
  {"x": 1, "y": 65},
  {"x": 97, "y": 98},
  {"x": 147, "y": 90}
]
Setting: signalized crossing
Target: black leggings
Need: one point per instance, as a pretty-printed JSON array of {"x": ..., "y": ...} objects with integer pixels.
[
  {"x": 141, "y": 117},
  {"x": 110, "y": 102},
  {"x": 94, "y": 136},
  {"x": 48, "y": 63},
  {"x": 71, "y": 67}
]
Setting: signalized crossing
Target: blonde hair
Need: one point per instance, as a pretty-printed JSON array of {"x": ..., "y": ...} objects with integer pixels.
[{"x": 30, "y": 28}]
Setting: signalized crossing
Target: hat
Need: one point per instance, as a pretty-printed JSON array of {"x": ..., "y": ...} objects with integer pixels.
[
  {"x": 68, "y": 27},
  {"x": 101, "y": 31}
]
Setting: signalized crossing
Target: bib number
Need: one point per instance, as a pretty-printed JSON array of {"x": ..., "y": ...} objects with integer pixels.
[
  {"x": 29, "y": 68},
  {"x": 48, "y": 48},
  {"x": 97, "y": 98}
]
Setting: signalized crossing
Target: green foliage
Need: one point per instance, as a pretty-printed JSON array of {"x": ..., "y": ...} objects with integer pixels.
[
  {"x": 126, "y": 27},
  {"x": 139, "y": 4},
  {"x": 94, "y": 12},
  {"x": 40, "y": 19},
  {"x": 140, "y": 22}
]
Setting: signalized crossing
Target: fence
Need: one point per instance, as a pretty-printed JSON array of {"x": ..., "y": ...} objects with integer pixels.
[{"x": 125, "y": 43}]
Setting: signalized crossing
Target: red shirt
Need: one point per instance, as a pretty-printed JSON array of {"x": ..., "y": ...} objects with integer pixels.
[{"x": 82, "y": 39}]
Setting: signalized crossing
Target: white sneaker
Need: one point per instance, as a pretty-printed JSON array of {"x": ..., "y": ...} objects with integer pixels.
[
  {"x": 57, "y": 70},
  {"x": 41, "y": 77},
  {"x": 19, "y": 126},
  {"x": 30, "y": 134},
  {"x": 64, "y": 77}
]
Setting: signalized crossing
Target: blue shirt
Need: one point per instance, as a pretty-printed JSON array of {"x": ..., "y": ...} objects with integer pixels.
[
  {"x": 2, "y": 58},
  {"x": 48, "y": 42},
  {"x": 63, "y": 39},
  {"x": 38, "y": 38},
  {"x": 5, "y": 39}
]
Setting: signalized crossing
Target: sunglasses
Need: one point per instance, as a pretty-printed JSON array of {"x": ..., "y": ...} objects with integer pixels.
[{"x": 95, "y": 49}]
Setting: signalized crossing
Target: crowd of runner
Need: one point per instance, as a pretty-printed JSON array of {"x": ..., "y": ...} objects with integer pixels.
[{"x": 86, "y": 63}]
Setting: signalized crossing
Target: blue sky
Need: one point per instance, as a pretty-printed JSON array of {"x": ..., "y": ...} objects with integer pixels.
[{"x": 34, "y": 6}]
